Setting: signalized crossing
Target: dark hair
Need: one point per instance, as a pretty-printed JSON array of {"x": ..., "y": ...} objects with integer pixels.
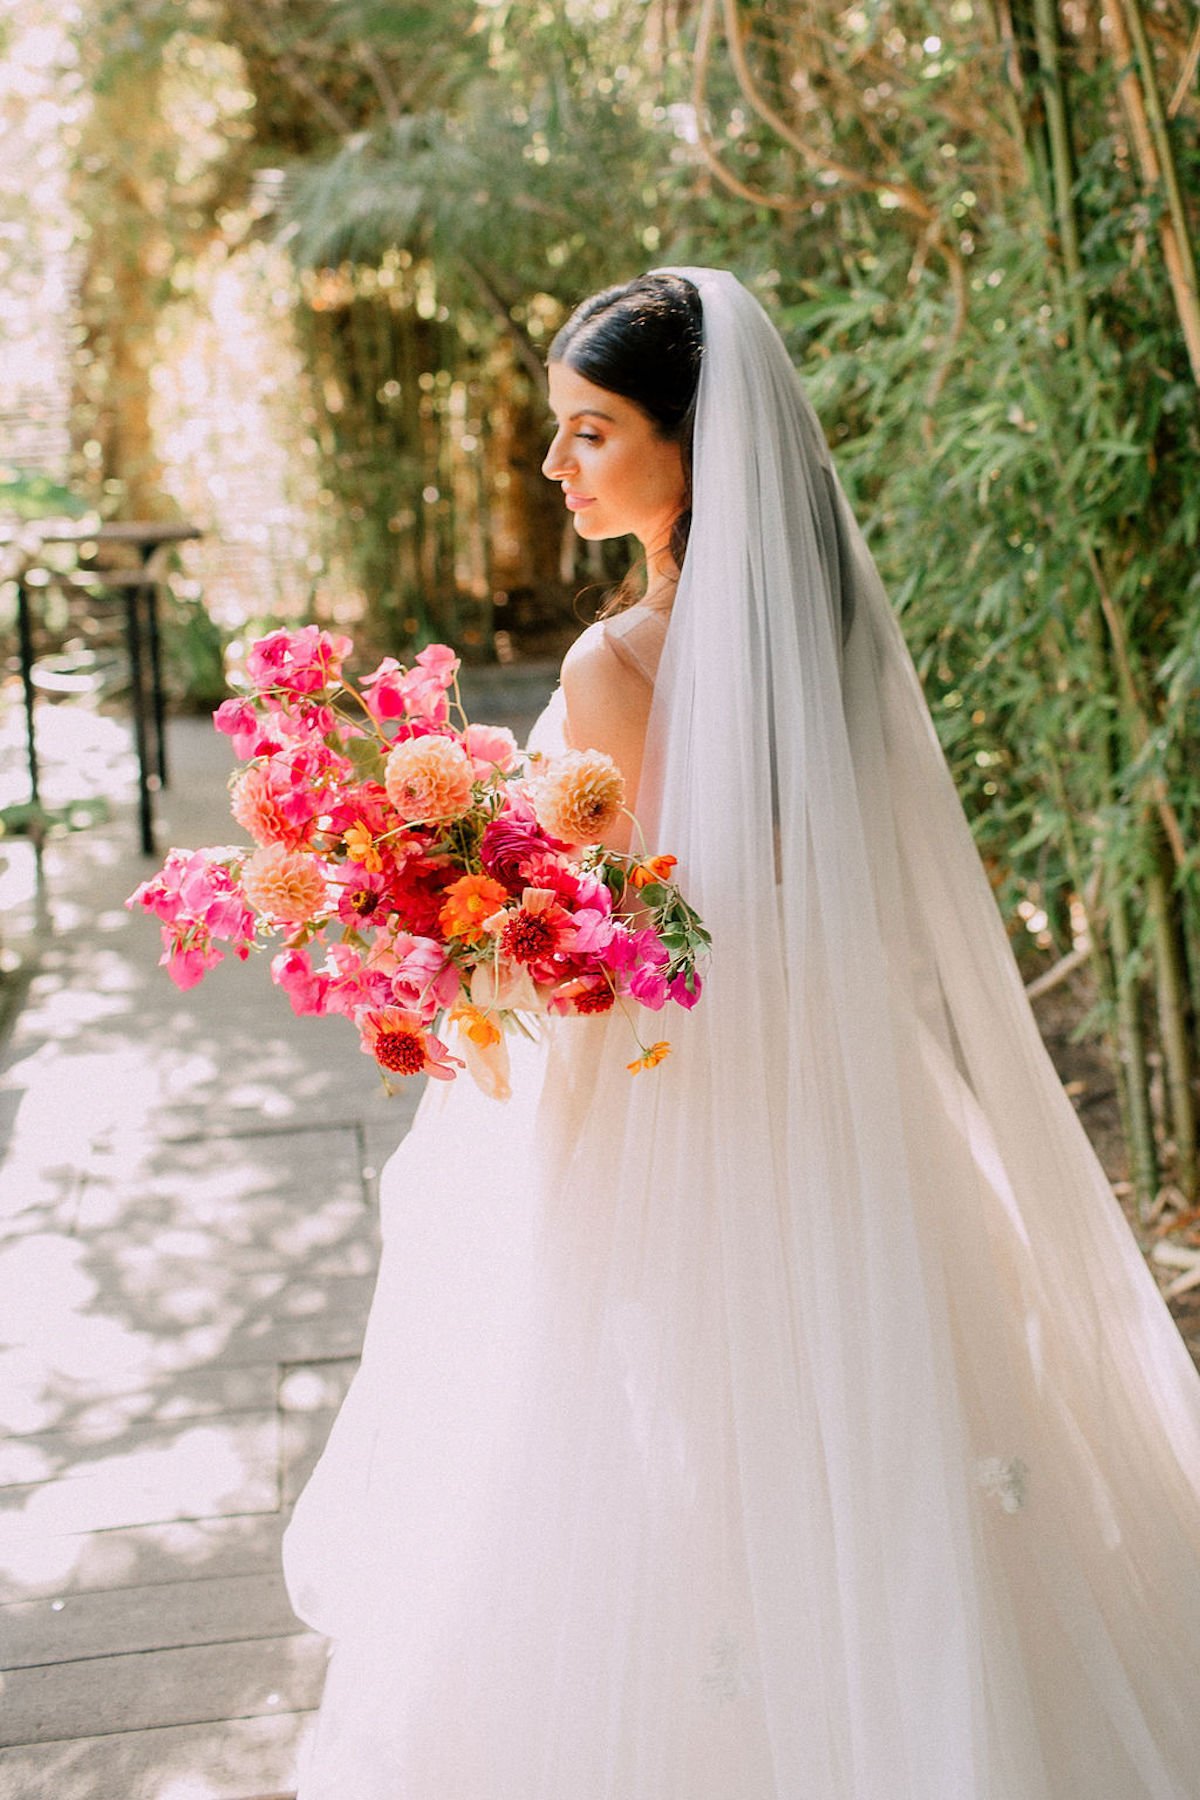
[{"x": 644, "y": 340}]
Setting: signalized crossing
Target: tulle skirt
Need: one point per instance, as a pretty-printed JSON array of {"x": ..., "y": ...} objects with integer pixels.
[{"x": 581, "y": 1530}]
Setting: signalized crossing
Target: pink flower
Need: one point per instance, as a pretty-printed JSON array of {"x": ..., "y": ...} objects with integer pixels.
[
  {"x": 383, "y": 690},
  {"x": 239, "y": 720},
  {"x": 268, "y": 803},
  {"x": 400, "y": 1044},
  {"x": 490, "y": 747},
  {"x": 360, "y": 893},
  {"x": 428, "y": 780},
  {"x": 508, "y": 843},
  {"x": 307, "y": 989},
  {"x": 593, "y": 931},
  {"x": 648, "y": 985},
  {"x": 300, "y": 662},
  {"x": 188, "y": 966},
  {"x": 627, "y": 948},
  {"x": 284, "y": 885},
  {"x": 682, "y": 994},
  {"x": 353, "y": 983},
  {"x": 417, "y": 694},
  {"x": 424, "y": 980}
]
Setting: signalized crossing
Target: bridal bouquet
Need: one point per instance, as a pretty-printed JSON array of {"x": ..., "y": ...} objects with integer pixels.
[{"x": 418, "y": 871}]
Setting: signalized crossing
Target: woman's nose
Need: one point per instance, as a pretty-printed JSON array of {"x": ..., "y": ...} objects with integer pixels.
[{"x": 556, "y": 461}]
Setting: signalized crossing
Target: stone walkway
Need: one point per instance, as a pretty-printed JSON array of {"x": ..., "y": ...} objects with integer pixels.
[{"x": 187, "y": 1253}]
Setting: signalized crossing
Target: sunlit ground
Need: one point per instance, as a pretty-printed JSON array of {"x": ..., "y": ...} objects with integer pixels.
[{"x": 187, "y": 1246}]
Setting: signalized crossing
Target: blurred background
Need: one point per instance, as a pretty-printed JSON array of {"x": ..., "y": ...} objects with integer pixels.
[{"x": 286, "y": 273}]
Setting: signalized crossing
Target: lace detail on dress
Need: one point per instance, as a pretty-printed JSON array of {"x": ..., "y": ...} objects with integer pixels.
[
  {"x": 725, "y": 1676},
  {"x": 1004, "y": 1478}
]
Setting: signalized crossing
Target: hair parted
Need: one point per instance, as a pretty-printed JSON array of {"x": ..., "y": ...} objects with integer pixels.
[{"x": 644, "y": 340}]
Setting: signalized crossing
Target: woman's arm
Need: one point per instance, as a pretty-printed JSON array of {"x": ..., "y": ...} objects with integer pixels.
[{"x": 608, "y": 708}]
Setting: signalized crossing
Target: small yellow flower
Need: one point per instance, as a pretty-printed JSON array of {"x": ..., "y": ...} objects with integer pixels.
[
  {"x": 649, "y": 1059},
  {"x": 360, "y": 847}
]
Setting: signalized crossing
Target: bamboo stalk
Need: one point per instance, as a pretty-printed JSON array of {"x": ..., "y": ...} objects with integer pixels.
[
  {"x": 1156, "y": 158},
  {"x": 1062, "y": 159},
  {"x": 1131, "y": 1055},
  {"x": 1172, "y": 1001}
]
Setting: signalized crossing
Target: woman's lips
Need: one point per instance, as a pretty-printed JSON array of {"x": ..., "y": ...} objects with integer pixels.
[{"x": 577, "y": 501}]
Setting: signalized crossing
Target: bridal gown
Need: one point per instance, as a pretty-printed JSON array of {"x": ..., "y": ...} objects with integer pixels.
[{"x": 613, "y": 1511}]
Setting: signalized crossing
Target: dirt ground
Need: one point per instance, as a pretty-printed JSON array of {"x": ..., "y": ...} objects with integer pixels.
[{"x": 1088, "y": 1074}]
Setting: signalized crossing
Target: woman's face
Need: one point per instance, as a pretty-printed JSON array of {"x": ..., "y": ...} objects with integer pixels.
[{"x": 618, "y": 475}]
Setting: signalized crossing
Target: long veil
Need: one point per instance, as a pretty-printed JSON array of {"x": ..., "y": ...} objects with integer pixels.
[{"x": 797, "y": 1421}]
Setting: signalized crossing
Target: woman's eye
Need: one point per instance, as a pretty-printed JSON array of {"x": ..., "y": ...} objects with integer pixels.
[{"x": 589, "y": 437}]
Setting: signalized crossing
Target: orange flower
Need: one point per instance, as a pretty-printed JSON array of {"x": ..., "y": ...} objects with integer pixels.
[
  {"x": 656, "y": 868},
  {"x": 649, "y": 1059},
  {"x": 579, "y": 799},
  {"x": 478, "y": 1025},
  {"x": 286, "y": 885},
  {"x": 360, "y": 847},
  {"x": 467, "y": 903},
  {"x": 259, "y": 802},
  {"x": 428, "y": 780}
]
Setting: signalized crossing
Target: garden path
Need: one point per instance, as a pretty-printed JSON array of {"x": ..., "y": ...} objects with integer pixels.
[{"x": 187, "y": 1252}]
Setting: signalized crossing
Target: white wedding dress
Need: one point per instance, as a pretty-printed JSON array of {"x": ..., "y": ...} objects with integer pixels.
[{"x": 796, "y": 1421}]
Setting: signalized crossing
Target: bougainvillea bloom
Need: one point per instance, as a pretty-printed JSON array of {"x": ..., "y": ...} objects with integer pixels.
[
  {"x": 413, "y": 870},
  {"x": 428, "y": 780},
  {"x": 579, "y": 798},
  {"x": 298, "y": 662},
  {"x": 306, "y": 988}
]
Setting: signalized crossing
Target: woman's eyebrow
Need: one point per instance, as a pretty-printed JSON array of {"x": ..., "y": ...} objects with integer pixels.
[{"x": 587, "y": 412}]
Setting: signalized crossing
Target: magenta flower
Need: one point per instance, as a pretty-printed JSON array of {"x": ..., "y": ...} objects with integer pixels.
[
  {"x": 423, "y": 980},
  {"x": 593, "y": 931},
  {"x": 239, "y": 720},
  {"x": 649, "y": 986},
  {"x": 306, "y": 988},
  {"x": 300, "y": 662},
  {"x": 508, "y": 843},
  {"x": 682, "y": 994},
  {"x": 187, "y": 966}
]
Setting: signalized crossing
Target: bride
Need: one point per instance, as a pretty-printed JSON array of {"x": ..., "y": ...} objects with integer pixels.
[{"x": 797, "y": 1420}]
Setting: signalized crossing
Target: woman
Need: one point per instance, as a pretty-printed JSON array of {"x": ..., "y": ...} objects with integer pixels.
[{"x": 798, "y": 1421}]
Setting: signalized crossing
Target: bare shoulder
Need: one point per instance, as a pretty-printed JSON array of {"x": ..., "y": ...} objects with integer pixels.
[
  {"x": 607, "y": 701},
  {"x": 591, "y": 657}
]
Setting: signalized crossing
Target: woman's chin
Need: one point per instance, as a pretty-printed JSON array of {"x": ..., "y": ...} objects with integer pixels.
[{"x": 594, "y": 529}]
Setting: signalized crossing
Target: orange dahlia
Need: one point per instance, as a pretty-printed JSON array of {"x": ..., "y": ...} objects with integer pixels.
[
  {"x": 258, "y": 803},
  {"x": 428, "y": 780},
  {"x": 285, "y": 885},
  {"x": 468, "y": 902},
  {"x": 579, "y": 799}
]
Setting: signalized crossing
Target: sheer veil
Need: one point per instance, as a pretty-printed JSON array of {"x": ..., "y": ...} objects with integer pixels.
[{"x": 800, "y": 1421}]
